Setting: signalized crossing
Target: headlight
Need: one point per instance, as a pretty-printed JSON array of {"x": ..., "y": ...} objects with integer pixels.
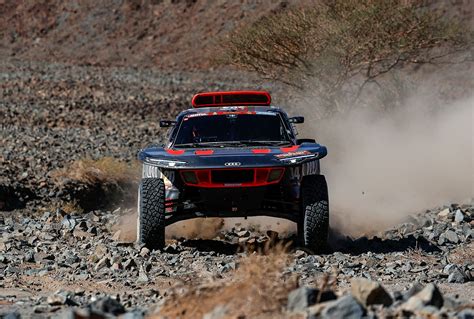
[
  {"x": 299, "y": 158},
  {"x": 163, "y": 162}
]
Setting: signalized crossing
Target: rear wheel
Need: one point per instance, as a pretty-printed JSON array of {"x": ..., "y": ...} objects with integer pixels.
[
  {"x": 151, "y": 213},
  {"x": 313, "y": 225}
]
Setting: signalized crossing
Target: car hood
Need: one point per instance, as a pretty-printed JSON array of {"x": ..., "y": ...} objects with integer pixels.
[{"x": 232, "y": 157}]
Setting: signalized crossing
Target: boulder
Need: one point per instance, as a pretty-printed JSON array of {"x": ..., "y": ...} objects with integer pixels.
[
  {"x": 106, "y": 305},
  {"x": 451, "y": 236},
  {"x": 428, "y": 296},
  {"x": 61, "y": 297},
  {"x": 466, "y": 314},
  {"x": 56, "y": 300},
  {"x": 444, "y": 213},
  {"x": 303, "y": 297},
  {"x": 456, "y": 275},
  {"x": 11, "y": 315},
  {"x": 346, "y": 307},
  {"x": 368, "y": 292},
  {"x": 458, "y": 216},
  {"x": 104, "y": 262}
]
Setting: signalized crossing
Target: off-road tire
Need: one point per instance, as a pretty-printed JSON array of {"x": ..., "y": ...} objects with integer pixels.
[
  {"x": 313, "y": 225},
  {"x": 151, "y": 213}
]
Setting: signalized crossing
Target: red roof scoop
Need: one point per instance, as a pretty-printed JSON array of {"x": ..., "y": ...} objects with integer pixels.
[{"x": 231, "y": 98}]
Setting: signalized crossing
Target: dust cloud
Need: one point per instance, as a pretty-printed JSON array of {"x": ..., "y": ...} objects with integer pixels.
[
  {"x": 283, "y": 227},
  {"x": 202, "y": 228},
  {"x": 383, "y": 166},
  {"x": 127, "y": 225}
]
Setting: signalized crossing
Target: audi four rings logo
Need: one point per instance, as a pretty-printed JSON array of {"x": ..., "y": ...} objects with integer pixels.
[{"x": 232, "y": 164}]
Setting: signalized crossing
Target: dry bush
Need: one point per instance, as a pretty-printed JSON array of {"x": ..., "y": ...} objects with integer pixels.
[
  {"x": 462, "y": 255},
  {"x": 95, "y": 184},
  {"x": 71, "y": 207},
  {"x": 106, "y": 170},
  {"x": 324, "y": 47},
  {"x": 68, "y": 207},
  {"x": 257, "y": 289}
]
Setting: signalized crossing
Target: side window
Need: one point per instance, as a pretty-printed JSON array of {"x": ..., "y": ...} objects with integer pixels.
[
  {"x": 293, "y": 126},
  {"x": 288, "y": 126},
  {"x": 171, "y": 134}
]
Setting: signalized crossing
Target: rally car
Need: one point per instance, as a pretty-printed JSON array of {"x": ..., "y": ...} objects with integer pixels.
[{"x": 233, "y": 155}]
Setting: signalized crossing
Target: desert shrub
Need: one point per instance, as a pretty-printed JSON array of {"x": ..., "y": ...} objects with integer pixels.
[
  {"x": 258, "y": 288},
  {"x": 326, "y": 46},
  {"x": 106, "y": 170},
  {"x": 94, "y": 184},
  {"x": 71, "y": 207},
  {"x": 68, "y": 207}
]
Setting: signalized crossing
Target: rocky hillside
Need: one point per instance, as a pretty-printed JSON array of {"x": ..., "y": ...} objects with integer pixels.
[
  {"x": 178, "y": 34},
  {"x": 170, "y": 34}
]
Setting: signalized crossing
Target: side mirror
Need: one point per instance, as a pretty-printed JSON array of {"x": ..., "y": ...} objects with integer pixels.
[
  {"x": 296, "y": 119},
  {"x": 305, "y": 140},
  {"x": 166, "y": 123}
]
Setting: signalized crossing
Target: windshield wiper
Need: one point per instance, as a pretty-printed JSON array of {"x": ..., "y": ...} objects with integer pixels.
[
  {"x": 208, "y": 144},
  {"x": 265, "y": 143},
  {"x": 192, "y": 145},
  {"x": 234, "y": 143}
]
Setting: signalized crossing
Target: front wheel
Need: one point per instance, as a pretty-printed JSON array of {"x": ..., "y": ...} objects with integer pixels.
[
  {"x": 151, "y": 213},
  {"x": 313, "y": 224}
]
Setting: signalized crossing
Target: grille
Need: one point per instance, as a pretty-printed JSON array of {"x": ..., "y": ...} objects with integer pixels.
[{"x": 232, "y": 176}]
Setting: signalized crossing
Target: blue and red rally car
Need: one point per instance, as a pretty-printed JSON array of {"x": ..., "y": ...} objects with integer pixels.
[{"x": 233, "y": 155}]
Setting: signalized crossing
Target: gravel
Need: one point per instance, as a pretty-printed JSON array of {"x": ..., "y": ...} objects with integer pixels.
[{"x": 49, "y": 253}]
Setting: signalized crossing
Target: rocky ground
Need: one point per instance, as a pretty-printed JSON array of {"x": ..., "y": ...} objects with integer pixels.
[
  {"x": 56, "y": 264},
  {"x": 60, "y": 259},
  {"x": 178, "y": 34},
  {"x": 53, "y": 114}
]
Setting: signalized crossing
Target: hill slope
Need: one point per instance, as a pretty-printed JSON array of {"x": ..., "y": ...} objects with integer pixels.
[{"x": 162, "y": 33}]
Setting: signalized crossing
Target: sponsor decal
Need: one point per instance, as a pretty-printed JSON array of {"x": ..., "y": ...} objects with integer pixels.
[
  {"x": 193, "y": 115},
  {"x": 232, "y": 164},
  {"x": 231, "y": 108},
  {"x": 308, "y": 168},
  {"x": 150, "y": 171},
  {"x": 295, "y": 173},
  {"x": 168, "y": 176},
  {"x": 293, "y": 154}
]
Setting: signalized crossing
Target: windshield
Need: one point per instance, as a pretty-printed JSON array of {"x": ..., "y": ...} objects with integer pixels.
[{"x": 232, "y": 128}]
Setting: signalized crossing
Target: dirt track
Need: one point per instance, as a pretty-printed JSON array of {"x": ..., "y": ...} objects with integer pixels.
[{"x": 55, "y": 114}]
